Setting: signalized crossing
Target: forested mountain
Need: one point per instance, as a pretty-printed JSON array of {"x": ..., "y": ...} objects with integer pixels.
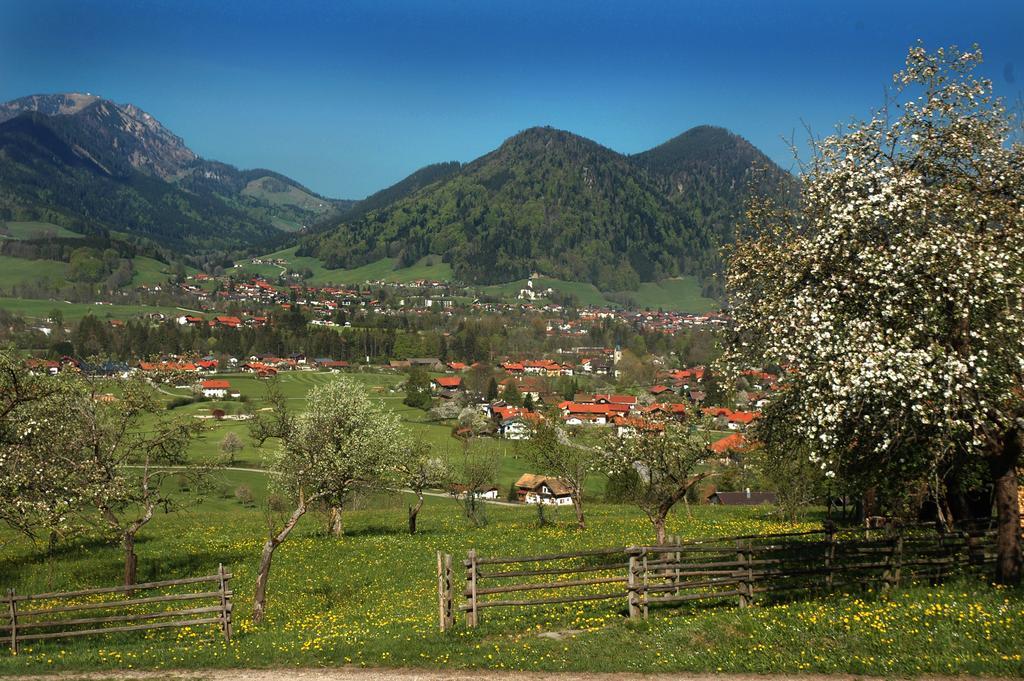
[
  {"x": 552, "y": 202},
  {"x": 413, "y": 183},
  {"x": 708, "y": 172},
  {"x": 89, "y": 164}
]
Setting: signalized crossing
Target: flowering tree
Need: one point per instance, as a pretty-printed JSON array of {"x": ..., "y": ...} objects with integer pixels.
[
  {"x": 417, "y": 470},
  {"x": 127, "y": 448},
  {"x": 342, "y": 441},
  {"x": 894, "y": 291},
  {"x": 666, "y": 466},
  {"x": 552, "y": 450},
  {"x": 69, "y": 449},
  {"x": 36, "y": 498}
]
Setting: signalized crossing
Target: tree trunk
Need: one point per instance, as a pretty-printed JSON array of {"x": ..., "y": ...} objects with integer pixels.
[
  {"x": 1004, "y": 475},
  {"x": 413, "y": 512},
  {"x": 577, "y": 504},
  {"x": 131, "y": 561},
  {"x": 335, "y": 525},
  {"x": 659, "y": 527},
  {"x": 259, "y": 604}
]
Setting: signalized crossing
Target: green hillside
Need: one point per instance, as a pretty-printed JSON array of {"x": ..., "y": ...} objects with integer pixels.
[
  {"x": 546, "y": 200},
  {"x": 19, "y": 271},
  {"x": 385, "y": 269},
  {"x": 679, "y": 294},
  {"x": 35, "y": 230},
  {"x": 32, "y": 308}
]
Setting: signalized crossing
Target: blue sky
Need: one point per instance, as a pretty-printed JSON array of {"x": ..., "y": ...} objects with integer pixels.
[{"x": 350, "y": 96}]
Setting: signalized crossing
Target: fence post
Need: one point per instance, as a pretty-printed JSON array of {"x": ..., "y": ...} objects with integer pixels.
[
  {"x": 741, "y": 585},
  {"x": 13, "y": 611},
  {"x": 891, "y": 574},
  {"x": 750, "y": 572},
  {"x": 449, "y": 586},
  {"x": 643, "y": 594},
  {"x": 472, "y": 615},
  {"x": 830, "y": 552},
  {"x": 444, "y": 591},
  {"x": 631, "y": 590},
  {"x": 225, "y": 603},
  {"x": 677, "y": 558},
  {"x": 897, "y": 571},
  {"x": 440, "y": 590}
]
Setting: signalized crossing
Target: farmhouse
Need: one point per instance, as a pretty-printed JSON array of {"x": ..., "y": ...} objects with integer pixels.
[
  {"x": 515, "y": 428},
  {"x": 215, "y": 388},
  {"x": 540, "y": 489},
  {"x": 447, "y": 383}
]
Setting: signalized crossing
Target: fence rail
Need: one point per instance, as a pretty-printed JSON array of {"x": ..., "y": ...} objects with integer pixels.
[
  {"x": 37, "y": 617},
  {"x": 739, "y": 570}
]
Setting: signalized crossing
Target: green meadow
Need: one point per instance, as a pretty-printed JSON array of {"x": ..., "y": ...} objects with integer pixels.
[
  {"x": 681, "y": 294},
  {"x": 35, "y": 230},
  {"x": 369, "y": 599},
  {"x": 38, "y": 309},
  {"x": 385, "y": 269}
]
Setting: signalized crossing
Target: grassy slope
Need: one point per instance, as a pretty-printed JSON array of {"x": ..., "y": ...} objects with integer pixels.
[
  {"x": 19, "y": 270},
  {"x": 35, "y": 230},
  {"x": 40, "y": 309},
  {"x": 383, "y": 269},
  {"x": 369, "y": 599},
  {"x": 292, "y": 197},
  {"x": 296, "y": 385},
  {"x": 682, "y": 294}
]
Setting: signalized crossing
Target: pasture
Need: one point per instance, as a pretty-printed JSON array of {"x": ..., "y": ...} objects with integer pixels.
[
  {"x": 39, "y": 309},
  {"x": 369, "y": 598},
  {"x": 296, "y": 385},
  {"x": 386, "y": 269},
  {"x": 680, "y": 294}
]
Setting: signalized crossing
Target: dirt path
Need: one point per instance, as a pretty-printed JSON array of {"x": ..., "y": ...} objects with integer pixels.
[{"x": 352, "y": 674}]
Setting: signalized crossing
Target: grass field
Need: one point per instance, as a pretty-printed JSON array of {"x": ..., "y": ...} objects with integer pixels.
[
  {"x": 36, "y": 230},
  {"x": 262, "y": 188},
  {"x": 296, "y": 385},
  {"x": 681, "y": 294},
  {"x": 19, "y": 271},
  {"x": 40, "y": 309},
  {"x": 429, "y": 267},
  {"x": 150, "y": 272},
  {"x": 369, "y": 599}
]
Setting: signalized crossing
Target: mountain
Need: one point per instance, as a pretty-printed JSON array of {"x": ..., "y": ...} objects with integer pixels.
[
  {"x": 709, "y": 173},
  {"x": 87, "y": 163},
  {"x": 409, "y": 185},
  {"x": 552, "y": 202}
]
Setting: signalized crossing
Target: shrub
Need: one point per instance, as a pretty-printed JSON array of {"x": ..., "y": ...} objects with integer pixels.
[{"x": 244, "y": 495}]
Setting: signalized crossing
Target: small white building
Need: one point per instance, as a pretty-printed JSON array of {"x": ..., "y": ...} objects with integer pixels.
[
  {"x": 515, "y": 428},
  {"x": 216, "y": 389}
]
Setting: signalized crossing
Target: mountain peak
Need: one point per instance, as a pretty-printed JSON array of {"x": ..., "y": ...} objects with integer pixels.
[{"x": 110, "y": 129}]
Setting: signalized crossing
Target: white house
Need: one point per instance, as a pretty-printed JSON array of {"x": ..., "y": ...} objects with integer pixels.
[
  {"x": 515, "y": 428},
  {"x": 215, "y": 389}
]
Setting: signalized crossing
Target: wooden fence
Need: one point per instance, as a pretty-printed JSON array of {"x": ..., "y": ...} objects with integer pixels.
[
  {"x": 39, "y": 617},
  {"x": 729, "y": 570}
]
